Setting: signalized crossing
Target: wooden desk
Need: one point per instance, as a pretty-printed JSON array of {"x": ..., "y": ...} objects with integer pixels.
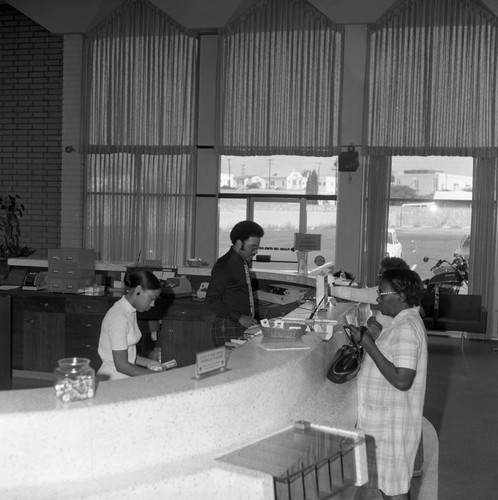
[
  {"x": 39, "y": 328},
  {"x": 5, "y": 343}
]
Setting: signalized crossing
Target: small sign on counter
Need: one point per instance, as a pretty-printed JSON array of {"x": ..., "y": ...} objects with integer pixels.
[
  {"x": 211, "y": 362},
  {"x": 307, "y": 242}
]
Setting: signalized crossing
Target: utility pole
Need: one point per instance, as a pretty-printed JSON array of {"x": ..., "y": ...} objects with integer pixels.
[
  {"x": 229, "y": 172},
  {"x": 270, "y": 160},
  {"x": 319, "y": 164}
]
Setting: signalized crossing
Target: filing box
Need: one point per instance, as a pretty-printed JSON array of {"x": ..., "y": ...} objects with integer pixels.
[{"x": 70, "y": 269}]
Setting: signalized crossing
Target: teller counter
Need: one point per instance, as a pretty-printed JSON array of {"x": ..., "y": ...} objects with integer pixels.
[{"x": 159, "y": 435}]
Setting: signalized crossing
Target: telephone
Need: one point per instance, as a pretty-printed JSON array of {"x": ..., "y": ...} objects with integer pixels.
[{"x": 34, "y": 280}]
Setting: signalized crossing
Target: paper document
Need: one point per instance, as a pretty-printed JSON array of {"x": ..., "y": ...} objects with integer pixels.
[{"x": 253, "y": 330}]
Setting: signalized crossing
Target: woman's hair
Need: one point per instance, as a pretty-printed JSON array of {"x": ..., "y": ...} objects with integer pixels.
[
  {"x": 143, "y": 278},
  {"x": 393, "y": 263},
  {"x": 405, "y": 282},
  {"x": 244, "y": 230}
]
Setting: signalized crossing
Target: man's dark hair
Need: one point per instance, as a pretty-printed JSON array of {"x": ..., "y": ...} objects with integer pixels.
[
  {"x": 405, "y": 282},
  {"x": 244, "y": 230}
]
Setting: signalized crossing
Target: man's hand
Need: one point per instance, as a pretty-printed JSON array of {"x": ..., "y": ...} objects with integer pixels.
[{"x": 247, "y": 321}]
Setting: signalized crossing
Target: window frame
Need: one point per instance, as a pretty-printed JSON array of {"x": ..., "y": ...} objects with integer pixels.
[{"x": 303, "y": 199}]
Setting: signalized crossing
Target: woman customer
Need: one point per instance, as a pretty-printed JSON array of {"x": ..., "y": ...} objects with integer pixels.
[
  {"x": 391, "y": 383},
  {"x": 120, "y": 333}
]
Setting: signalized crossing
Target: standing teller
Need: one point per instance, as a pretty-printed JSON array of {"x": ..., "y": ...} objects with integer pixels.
[{"x": 229, "y": 294}]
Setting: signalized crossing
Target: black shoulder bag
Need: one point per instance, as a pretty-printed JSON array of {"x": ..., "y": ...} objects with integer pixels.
[{"x": 347, "y": 360}]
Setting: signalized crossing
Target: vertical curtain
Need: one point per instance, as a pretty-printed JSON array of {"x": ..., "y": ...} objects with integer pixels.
[
  {"x": 432, "y": 80},
  {"x": 432, "y": 90},
  {"x": 378, "y": 181},
  {"x": 138, "y": 136},
  {"x": 483, "y": 234},
  {"x": 280, "y": 82}
]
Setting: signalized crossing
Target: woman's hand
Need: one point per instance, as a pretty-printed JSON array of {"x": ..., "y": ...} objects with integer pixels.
[
  {"x": 156, "y": 367},
  {"x": 357, "y": 332},
  {"x": 374, "y": 327},
  {"x": 150, "y": 364},
  {"x": 124, "y": 366}
]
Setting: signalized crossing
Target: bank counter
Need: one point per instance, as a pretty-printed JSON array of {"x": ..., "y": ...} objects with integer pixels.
[{"x": 160, "y": 435}]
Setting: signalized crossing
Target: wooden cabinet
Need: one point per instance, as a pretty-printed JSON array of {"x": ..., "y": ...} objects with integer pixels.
[
  {"x": 186, "y": 330},
  {"x": 5, "y": 342},
  {"x": 47, "y": 327},
  {"x": 38, "y": 329},
  {"x": 84, "y": 317}
]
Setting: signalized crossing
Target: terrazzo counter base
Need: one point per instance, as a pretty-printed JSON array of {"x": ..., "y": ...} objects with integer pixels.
[{"x": 159, "y": 435}]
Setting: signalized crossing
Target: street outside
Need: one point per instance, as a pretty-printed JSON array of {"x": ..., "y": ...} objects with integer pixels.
[{"x": 435, "y": 243}]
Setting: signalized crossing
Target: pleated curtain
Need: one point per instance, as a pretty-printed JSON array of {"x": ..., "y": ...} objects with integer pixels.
[
  {"x": 432, "y": 80},
  {"x": 377, "y": 182},
  {"x": 280, "y": 82},
  {"x": 483, "y": 236},
  {"x": 432, "y": 89},
  {"x": 138, "y": 136}
]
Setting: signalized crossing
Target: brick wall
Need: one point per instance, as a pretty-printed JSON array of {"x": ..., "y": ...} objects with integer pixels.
[{"x": 31, "y": 70}]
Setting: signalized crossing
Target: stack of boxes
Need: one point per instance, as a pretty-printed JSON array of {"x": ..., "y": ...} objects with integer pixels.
[{"x": 70, "y": 269}]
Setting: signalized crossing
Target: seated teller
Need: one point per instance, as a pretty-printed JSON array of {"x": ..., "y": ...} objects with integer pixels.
[{"x": 120, "y": 333}]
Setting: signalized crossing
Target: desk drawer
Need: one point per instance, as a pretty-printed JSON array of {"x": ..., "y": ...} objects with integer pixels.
[
  {"x": 192, "y": 311},
  {"x": 39, "y": 304},
  {"x": 89, "y": 305},
  {"x": 80, "y": 325}
]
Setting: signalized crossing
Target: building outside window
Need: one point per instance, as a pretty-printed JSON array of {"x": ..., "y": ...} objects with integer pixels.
[
  {"x": 285, "y": 195},
  {"x": 430, "y": 207}
]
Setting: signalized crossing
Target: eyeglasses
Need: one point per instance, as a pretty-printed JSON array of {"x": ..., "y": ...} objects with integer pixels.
[{"x": 380, "y": 294}]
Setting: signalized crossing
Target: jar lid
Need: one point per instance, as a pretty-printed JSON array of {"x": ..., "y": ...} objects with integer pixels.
[{"x": 73, "y": 362}]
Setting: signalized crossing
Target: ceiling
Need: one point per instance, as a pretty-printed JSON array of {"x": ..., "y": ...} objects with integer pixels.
[{"x": 79, "y": 16}]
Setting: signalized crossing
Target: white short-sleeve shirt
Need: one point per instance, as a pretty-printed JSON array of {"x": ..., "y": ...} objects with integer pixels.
[{"x": 119, "y": 331}]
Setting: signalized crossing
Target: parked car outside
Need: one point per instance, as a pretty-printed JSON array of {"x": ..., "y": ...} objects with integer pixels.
[
  {"x": 464, "y": 248},
  {"x": 394, "y": 247}
]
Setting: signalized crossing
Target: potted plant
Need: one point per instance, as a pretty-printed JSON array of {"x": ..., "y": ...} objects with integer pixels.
[{"x": 10, "y": 213}]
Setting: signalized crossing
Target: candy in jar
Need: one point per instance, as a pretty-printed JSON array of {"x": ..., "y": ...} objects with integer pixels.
[{"x": 74, "y": 379}]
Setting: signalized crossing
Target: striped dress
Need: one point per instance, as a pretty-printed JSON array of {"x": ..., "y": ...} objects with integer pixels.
[{"x": 393, "y": 417}]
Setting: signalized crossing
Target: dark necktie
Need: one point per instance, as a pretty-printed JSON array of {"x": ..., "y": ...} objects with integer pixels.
[{"x": 248, "y": 281}]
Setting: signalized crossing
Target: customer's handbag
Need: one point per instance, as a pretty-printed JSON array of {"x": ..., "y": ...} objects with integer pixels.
[{"x": 347, "y": 361}]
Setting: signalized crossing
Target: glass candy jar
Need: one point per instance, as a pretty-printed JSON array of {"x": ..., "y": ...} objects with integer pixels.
[{"x": 74, "y": 379}]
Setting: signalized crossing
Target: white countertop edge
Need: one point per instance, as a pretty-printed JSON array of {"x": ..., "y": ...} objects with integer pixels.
[
  {"x": 285, "y": 276},
  {"x": 174, "y": 418}
]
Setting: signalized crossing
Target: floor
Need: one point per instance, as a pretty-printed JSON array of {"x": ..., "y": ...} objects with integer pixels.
[{"x": 462, "y": 405}]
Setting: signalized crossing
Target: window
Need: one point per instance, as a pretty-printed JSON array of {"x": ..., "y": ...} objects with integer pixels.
[
  {"x": 429, "y": 211},
  {"x": 138, "y": 136},
  {"x": 285, "y": 195}
]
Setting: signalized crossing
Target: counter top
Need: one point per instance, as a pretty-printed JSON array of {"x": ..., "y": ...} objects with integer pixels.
[
  {"x": 161, "y": 433},
  {"x": 285, "y": 276}
]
